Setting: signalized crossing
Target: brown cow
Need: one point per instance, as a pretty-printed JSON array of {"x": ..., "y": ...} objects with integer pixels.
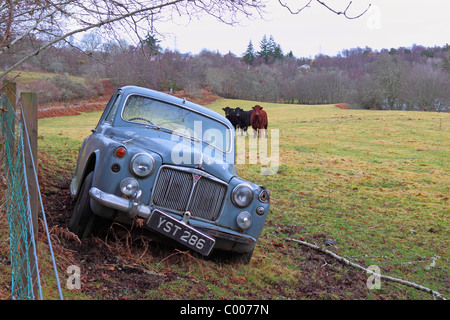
[{"x": 258, "y": 120}]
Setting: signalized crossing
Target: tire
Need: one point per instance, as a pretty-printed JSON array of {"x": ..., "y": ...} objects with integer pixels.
[
  {"x": 82, "y": 220},
  {"x": 242, "y": 258}
]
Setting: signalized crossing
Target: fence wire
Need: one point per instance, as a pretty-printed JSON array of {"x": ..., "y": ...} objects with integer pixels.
[{"x": 25, "y": 277}]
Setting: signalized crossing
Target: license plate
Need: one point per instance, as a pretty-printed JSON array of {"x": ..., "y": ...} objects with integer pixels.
[{"x": 181, "y": 232}]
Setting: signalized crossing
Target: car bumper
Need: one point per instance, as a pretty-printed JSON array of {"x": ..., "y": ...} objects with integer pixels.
[{"x": 226, "y": 239}]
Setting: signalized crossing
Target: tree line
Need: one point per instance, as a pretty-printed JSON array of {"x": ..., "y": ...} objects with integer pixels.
[{"x": 415, "y": 78}]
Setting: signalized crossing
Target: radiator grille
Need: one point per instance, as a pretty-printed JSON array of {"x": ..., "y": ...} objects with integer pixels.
[{"x": 185, "y": 191}]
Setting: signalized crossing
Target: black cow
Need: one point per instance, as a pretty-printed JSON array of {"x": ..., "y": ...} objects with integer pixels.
[
  {"x": 230, "y": 114},
  {"x": 243, "y": 119}
]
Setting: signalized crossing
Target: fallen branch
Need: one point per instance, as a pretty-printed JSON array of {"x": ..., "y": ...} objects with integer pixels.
[{"x": 436, "y": 295}]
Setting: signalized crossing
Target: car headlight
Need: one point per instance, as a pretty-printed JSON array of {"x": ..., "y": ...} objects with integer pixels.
[
  {"x": 242, "y": 195},
  {"x": 244, "y": 220},
  {"x": 142, "y": 165}
]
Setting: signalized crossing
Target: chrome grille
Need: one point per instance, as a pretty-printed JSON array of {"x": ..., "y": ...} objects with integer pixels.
[
  {"x": 173, "y": 189},
  {"x": 207, "y": 199},
  {"x": 182, "y": 191}
]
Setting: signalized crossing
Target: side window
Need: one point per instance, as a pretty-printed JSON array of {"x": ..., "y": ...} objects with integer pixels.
[{"x": 112, "y": 112}]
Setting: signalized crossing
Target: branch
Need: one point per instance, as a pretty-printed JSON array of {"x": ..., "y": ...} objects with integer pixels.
[
  {"x": 344, "y": 13},
  {"x": 285, "y": 5},
  {"x": 436, "y": 295},
  {"x": 2, "y": 49},
  {"x": 90, "y": 26},
  {"x": 8, "y": 24},
  {"x": 90, "y": 14}
]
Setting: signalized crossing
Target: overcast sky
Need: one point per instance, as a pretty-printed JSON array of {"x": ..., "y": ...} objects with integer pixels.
[{"x": 387, "y": 24}]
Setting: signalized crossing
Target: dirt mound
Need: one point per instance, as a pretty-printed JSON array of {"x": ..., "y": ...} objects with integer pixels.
[
  {"x": 69, "y": 110},
  {"x": 205, "y": 97},
  {"x": 342, "y": 106}
]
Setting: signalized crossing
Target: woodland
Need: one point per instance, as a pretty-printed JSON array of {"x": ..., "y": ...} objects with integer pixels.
[
  {"x": 414, "y": 78},
  {"x": 86, "y": 38}
]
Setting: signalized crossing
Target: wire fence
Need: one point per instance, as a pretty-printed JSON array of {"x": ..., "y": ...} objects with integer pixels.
[{"x": 25, "y": 275}]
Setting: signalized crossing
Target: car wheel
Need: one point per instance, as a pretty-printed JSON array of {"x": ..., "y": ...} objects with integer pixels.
[
  {"x": 83, "y": 219},
  {"x": 243, "y": 258}
]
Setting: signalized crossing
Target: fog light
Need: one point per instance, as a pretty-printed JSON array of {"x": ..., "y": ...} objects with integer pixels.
[
  {"x": 244, "y": 220},
  {"x": 129, "y": 186}
]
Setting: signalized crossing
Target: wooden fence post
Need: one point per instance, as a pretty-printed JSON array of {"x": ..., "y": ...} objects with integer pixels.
[
  {"x": 29, "y": 105},
  {"x": 29, "y": 118}
]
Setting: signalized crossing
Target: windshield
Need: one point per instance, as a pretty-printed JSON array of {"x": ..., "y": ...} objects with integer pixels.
[{"x": 179, "y": 120}]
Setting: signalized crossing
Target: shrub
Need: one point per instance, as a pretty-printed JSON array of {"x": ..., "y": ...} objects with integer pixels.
[
  {"x": 47, "y": 91},
  {"x": 63, "y": 89},
  {"x": 70, "y": 90}
]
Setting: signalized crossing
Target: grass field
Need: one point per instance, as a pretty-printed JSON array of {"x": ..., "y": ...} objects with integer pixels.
[
  {"x": 375, "y": 182},
  {"x": 22, "y": 78}
]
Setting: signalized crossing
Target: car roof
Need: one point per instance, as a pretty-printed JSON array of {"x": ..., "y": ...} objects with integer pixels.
[{"x": 173, "y": 100}]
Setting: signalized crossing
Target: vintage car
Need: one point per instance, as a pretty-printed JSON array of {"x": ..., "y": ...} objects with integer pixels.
[{"x": 171, "y": 163}]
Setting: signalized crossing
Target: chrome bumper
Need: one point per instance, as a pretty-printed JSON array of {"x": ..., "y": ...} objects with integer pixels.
[
  {"x": 131, "y": 206},
  {"x": 135, "y": 209}
]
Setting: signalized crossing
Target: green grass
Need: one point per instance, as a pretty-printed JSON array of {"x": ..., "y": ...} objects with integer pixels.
[
  {"x": 377, "y": 182},
  {"x": 27, "y": 77}
]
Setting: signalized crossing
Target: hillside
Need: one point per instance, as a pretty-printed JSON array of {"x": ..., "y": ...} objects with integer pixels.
[{"x": 414, "y": 78}]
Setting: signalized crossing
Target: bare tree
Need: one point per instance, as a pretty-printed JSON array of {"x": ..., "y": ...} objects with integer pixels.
[
  {"x": 53, "y": 21},
  {"x": 91, "y": 42},
  {"x": 389, "y": 72},
  {"x": 426, "y": 88}
]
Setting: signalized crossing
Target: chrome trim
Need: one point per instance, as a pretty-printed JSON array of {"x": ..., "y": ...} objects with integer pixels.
[
  {"x": 227, "y": 235},
  {"x": 132, "y": 206},
  {"x": 186, "y": 201}
]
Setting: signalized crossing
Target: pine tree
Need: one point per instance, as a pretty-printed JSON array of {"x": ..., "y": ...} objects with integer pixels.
[
  {"x": 278, "y": 53},
  {"x": 264, "y": 49},
  {"x": 249, "y": 55},
  {"x": 269, "y": 48},
  {"x": 152, "y": 44}
]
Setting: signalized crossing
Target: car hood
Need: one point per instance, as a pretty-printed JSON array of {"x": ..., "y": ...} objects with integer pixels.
[{"x": 181, "y": 151}]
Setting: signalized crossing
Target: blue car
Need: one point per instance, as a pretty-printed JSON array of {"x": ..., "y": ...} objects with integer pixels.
[{"x": 170, "y": 163}]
